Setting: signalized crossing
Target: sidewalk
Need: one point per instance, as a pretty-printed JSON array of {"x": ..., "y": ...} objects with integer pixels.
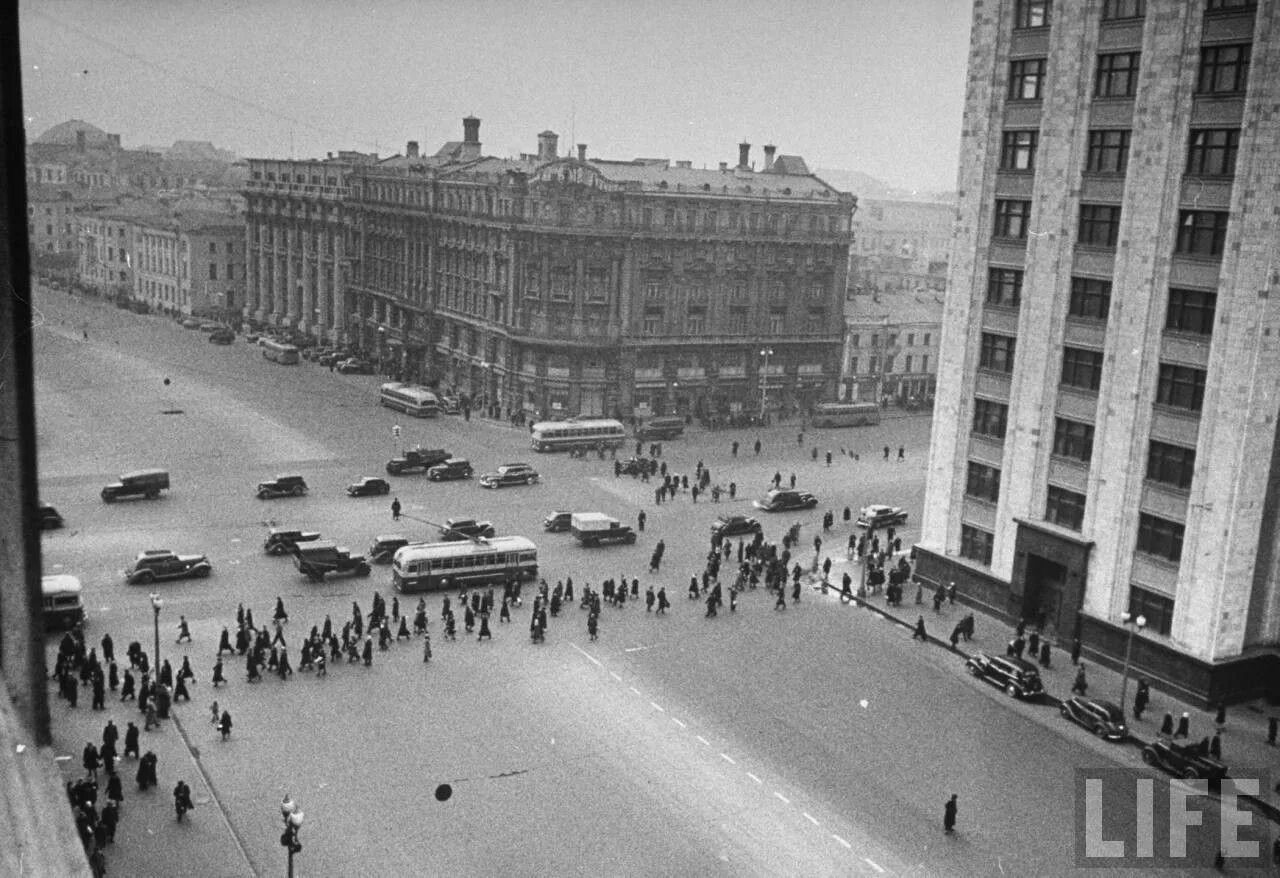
[{"x": 1244, "y": 736}]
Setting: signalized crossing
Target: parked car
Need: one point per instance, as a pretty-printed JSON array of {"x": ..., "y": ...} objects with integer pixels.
[
  {"x": 1103, "y": 718},
  {"x": 282, "y": 486},
  {"x": 880, "y": 516},
  {"x": 369, "y": 486},
  {"x": 139, "y": 483},
  {"x": 252, "y": 337},
  {"x": 355, "y": 366},
  {"x": 465, "y": 528},
  {"x": 730, "y": 525},
  {"x": 557, "y": 522},
  {"x": 332, "y": 358},
  {"x": 1185, "y": 760},
  {"x": 222, "y": 336},
  {"x": 510, "y": 474},
  {"x": 783, "y": 499},
  {"x": 317, "y": 560},
  {"x": 450, "y": 405},
  {"x": 417, "y": 460},
  {"x": 453, "y": 468},
  {"x": 161, "y": 564},
  {"x": 211, "y": 325},
  {"x": 385, "y": 547},
  {"x": 638, "y": 466},
  {"x": 48, "y": 517},
  {"x": 190, "y": 323},
  {"x": 1017, "y": 677},
  {"x": 281, "y": 540}
]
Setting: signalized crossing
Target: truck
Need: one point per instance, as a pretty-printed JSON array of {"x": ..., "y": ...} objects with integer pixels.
[
  {"x": 417, "y": 460},
  {"x": 315, "y": 559},
  {"x": 594, "y": 528},
  {"x": 140, "y": 483}
]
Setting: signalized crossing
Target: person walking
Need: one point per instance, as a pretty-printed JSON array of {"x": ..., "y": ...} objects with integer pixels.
[
  {"x": 426, "y": 644},
  {"x": 593, "y": 625},
  {"x": 484, "y": 628},
  {"x": 184, "y": 630},
  {"x": 1081, "y": 685},
  {"x": 131, "y": 740},
  {"x": 663, "y": 603},
  {"x": 919, "y": 633},
  {"x": 640, "y": 520},
  {"x": 395, "y": 508},
  {"x": 949, "y": 815},
  {"x": 1075, "y": 651},
  {"x": 224, "y": 725},
  {"x": 1140, "y": 699},
  {"x": 1166, "y": 725},
  {"x": 757, "y": 447},
  {"x": 1184, "y": 726}
]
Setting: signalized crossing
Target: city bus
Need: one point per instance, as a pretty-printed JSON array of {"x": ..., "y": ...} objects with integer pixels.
[
  {"x": 661, "y": 428},
  {"x": 429, "y": 566},
  {"x": 278, "y": 352},
  {"x": 586, "y": 434},
  {"x": 416, "y": 401},
  {"x": 845, "y": 414}
]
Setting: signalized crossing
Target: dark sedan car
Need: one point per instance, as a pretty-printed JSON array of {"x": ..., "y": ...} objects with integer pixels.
[
  {"x": 369, "y": 486},
  {"x": 730, "y": 525},
  {"x": 453, "y": 468},
  {"x": 1185, "y": 760},
  {"x": 783, "y": 499},
  {"x": 1103, "y": 718},
  {"x": 49, "y": 517},
  {"x": 355, "y": 366}
]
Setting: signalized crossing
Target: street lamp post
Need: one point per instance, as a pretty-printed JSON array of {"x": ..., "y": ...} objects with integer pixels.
[
  {"x": 765, "y": 353},
  {"x": 1132, "y": 624},
  {"x": 156, "y": 603},
  {"x": 292, "y": 823},
  {"x": 382, "y": 348}
]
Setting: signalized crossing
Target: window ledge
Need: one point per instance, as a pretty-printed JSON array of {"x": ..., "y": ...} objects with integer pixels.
[
  {"x": 1177, "y": 412},
  {"x": 1185, "y": 335},
  {"x": 1159, "y": 561},
  {"x": 983, "y": 501},
  {"x": 1168, "y": 488},
  {"x": 1002, "y": 307}
]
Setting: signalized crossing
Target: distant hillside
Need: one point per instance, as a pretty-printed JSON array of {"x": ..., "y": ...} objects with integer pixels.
[{"x": 866, "y": 186}]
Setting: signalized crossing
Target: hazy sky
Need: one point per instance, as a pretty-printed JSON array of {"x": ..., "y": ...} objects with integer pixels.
[{"x": 868, "y": 85}]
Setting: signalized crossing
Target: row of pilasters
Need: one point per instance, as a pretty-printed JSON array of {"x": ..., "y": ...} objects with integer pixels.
[{"x": 292, "y": 283}]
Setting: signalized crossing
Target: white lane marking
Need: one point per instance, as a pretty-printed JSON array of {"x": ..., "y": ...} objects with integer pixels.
[
  {"x": 727, "y": 758},
  {"x": 754, "y": 778},
  {"x": 615, "y": 676},
  {"x": 842, "y": 841},
  {"x": 656, "y": 706},
  {"x": 595, "y": 661},
  {"x": 637, "y": 648},
  {"x": 679, "y": 723},
  {"x": 782, "y": 797},
  {"x": 634, "y": 689},
  {"x": 872, "y": 863},
  {"x": 704, "y": 740},
  {"x": 810, "y": 818}
]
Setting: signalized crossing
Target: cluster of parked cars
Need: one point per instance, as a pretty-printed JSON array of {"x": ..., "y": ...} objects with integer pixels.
[{"x": 439, "y": 466}]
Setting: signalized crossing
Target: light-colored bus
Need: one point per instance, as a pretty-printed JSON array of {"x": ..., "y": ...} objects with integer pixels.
[
  {"x": 586, "y": 434},
  {"x": 845, "y": 414},
  {"x": 416, "y": 401},
  {"x": 278, "y": 352},
  {"x": 428, "y": 566},
  {"x": 671, "y": 427},
  {"x": 63, "y": 606}
]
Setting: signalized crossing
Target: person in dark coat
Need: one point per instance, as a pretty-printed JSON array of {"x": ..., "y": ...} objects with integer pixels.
[
  {"x": 115, "y": 791},
  {"x": 1221, "y": 718},
  {"x": 109, "y": 819},
  {"x": 593, "y": 625},
  {"x": 1184, "y": 726},
  {"x": 217, "y": 673},
  {"x": 663, "y": 603},
  {"x": 949, "y": 815},
  {"x": 1215, "y": 745},
  {"x": 131, "y": 741},
  {"x": 919, "y": 633},
  {"x": 224, "y": 725},
  {"x": 90, "y": 760},
  {"x": 1081, "y": 685},
  {"x": 181, "y": 693},
  {"x": 1075, "y": 651},
  {"x": 1140, "y": 699},
  {"x": 1166, "y": 726},
  {"x": 368, "y": 650},
  {"x": 484, "y": 628},
  {"x": 224, "y": 642}
]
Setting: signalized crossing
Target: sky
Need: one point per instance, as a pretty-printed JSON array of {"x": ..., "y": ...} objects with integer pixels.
[{"x": 875, "y": 86}]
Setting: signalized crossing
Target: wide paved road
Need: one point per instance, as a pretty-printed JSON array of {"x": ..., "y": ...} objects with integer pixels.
[{"x": 816, "y": 741}]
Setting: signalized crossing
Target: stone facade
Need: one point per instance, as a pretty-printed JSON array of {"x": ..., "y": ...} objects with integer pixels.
[{"x": 1123, "y": 389}]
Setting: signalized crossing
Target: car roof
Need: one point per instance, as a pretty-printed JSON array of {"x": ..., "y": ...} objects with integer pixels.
[{"x": 389, "y": 538}]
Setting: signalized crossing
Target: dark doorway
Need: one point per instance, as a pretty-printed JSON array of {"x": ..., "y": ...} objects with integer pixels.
[{"x": 1042, "y": 591}]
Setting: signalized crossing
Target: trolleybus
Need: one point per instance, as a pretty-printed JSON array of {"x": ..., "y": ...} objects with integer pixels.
[
  {"x": 845, "y": 414},
  {"x": 586, "y": 433},
  {"x": 429, "y": 566},
  {"x": 279, "y": 352},
  {"x": 416, "y": 401}
]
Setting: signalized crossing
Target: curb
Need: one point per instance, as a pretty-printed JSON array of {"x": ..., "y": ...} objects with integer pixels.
[{"x": 194, "y": 753}]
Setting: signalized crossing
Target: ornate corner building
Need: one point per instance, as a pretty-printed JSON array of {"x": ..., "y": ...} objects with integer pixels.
[{"x": 560, "y": 285}]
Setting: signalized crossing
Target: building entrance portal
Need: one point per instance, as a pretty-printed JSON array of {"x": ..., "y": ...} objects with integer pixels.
[
  {"x": 1050, "y": 568},
  {"x": 1042, "y": 590}
]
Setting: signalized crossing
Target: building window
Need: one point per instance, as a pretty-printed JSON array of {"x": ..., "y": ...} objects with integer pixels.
[
  {"x": 1031, "y": 13},
  {"x": 924, "y": 363},
  {"x": 1181, "y": 387},
  {"x": 1108, "y": 151},
  {"x": 213, "y": 248},
  {"x": 911, "y": 340},
  {"x": 738, "y": 320},
  {"x": 1202, "y": 232},
  {"x": 1117, "y": 75},
  {"x": 1090, "y": 298},
  {"x": 777, "y": 322},
  {"x": 1230, "y": 5},
  {"x": 1160, "y": 537},
  {"x": 983, "y": 482},
  {"x": 853, "y": 340},
  {"x": 1118, "y": 10},
  {"x": 1191, "y": 311},
  {"x": 213, "y": 271},
  {"x": 1156, "y": 608},
  {"x": 1099, "y": 225},
  {"x": 1223, "y": 69},
  {"x": 1081, "y": 368},
  {"x": 906, "y": 364},
  {"x": 816, "y": 319},
  {"x": 652, "y": 321},
  {"x": 1004, "y": 288},
  {"x": 1171, "y": 464},
  {"x": 989, "y": 418},
  {"x": 1012, "y": 218},
  {"x": 926, "y": 339},
  {"x": 975, "y": 544},
  {"x": 653, "y": 290},
  {"x": 1064, "y": 508},
  {"x": 1026, "y": 79},
  {"x": 1073, "y": 439},
  {"x": 997, "y": 352},
  {"x": 873, "y": 365},
  {"x": 1212, "y": 152},
  {"x": 1018, "y": 150},
  {"x": 697, "y": 322},
  {"x": 853, "y": 365}
]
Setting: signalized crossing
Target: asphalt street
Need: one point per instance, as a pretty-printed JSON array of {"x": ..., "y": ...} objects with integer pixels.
[{"x": 819, "y": 740}]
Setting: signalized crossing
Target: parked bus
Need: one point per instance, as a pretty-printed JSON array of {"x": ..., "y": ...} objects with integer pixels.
[
  {"x": 428, "y": 566},
  {"x": 661, "y": 428},
  {"x": 416, "y": 401},
  {"x": 845, "y": 414},
  {"x": 277, "y": 352},
  {"x": 585, "y": 434},
  {"x": 63, "y": 607}
]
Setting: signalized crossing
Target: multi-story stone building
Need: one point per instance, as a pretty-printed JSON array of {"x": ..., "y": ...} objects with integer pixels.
[
  {"x": 1106, "y": 450},
  {"x": 891, "y": 348},
  {"x": 561, "y": 284},
  {"x": 189, "y": 262}
]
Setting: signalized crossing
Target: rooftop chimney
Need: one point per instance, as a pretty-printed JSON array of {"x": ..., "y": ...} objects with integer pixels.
[
  {"x": 744, "y": 155},
  {"x": 411, "y": 149},
  {"x": 582, "y": 152},
  {"x": 769, "y": 150},
  {"x": 547, "y": 141},
  {"x": 470, "y": 139}
]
